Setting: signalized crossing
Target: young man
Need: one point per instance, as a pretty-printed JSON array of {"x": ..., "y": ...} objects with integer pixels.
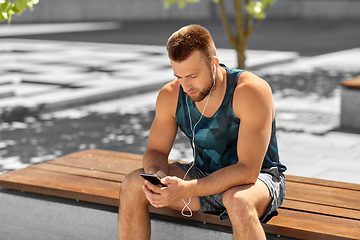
[{"x": 229, "y": 117}]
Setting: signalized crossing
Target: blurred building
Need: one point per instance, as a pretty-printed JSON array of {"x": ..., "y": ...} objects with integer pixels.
[{"x": 153, "y": 10}]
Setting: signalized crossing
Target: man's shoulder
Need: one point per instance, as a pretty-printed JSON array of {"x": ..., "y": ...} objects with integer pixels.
[
  {"x": 252, "y": 92},
  {"x": 250, "y": 82},
  {"x": 168, "y": 96},
  {"x": 170, "y": 88}
]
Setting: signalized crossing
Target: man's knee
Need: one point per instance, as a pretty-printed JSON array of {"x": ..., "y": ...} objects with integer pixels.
[
  {"x": 239, "y": 203},
  {"x": 132, "y": 184}
]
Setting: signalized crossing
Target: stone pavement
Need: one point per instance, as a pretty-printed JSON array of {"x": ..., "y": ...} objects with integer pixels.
[
  {"x": 50, "y": 28},
  {"x": 45, "y": 75},
  {"x": 49, "y": 75}
]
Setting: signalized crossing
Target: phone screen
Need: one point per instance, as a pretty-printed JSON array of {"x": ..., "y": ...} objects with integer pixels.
[{"x": 153, "y": 178}]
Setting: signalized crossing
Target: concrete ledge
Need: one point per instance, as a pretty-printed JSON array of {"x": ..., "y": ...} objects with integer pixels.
[
  {"x": 350, "y": 105},
  {"x": 37, "y": 217}
]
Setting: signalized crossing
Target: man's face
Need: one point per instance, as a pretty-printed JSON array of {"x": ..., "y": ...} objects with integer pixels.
[{"x": 194, "y": 75}]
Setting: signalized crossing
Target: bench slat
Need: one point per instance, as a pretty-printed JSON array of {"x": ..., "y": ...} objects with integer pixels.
[
  {"x": 90, "y": 173},
  {"x": 105, "y": 155},
  {"x": 330, "y": 196},
  {"x": 102, "y": 161},
  {"x": 304, "y": 225},
  {"x": 322, "y": 182},
  {"x": 62, "y": 185},
  {"x": 352, "y": 83},
  {"x": 320, "y": 209}
]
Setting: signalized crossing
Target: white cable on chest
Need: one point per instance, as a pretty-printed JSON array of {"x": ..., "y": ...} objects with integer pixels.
[{"x": 193, "y": 141}]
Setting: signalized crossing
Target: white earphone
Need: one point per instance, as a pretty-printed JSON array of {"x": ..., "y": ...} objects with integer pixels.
[
  {"x": 214, "y": 72},
  {"x": 192, "y": 128}
]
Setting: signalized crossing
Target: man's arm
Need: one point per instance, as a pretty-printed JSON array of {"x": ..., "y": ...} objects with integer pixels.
[{"x": 162, "y": 132}]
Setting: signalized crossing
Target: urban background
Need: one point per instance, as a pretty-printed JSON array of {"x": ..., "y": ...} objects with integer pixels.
[{"x": 79, "y": 74}]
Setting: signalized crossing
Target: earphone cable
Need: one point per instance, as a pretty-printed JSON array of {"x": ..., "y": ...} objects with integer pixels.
[{"x": 193, "y": 144}]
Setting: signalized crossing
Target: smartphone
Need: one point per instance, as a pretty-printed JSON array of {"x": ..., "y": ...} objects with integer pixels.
[{"x": 153, "y": 178}]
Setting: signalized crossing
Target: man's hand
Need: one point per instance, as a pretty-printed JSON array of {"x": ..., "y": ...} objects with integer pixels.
[{"x": 164, "y": 196}]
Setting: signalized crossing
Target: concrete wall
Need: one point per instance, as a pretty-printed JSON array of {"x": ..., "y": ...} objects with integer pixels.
[
  {"x": 129, "y": 10},
  {"x": 118, "y": 10},
  {"x": 316, "y": 9},
  {"x": 307, "y": 9},
  {"x": 36, "y": 217}
]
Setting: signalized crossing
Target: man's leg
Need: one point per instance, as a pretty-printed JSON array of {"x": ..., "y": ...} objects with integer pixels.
[
  {"x": 134, "y": 221},
  {"x": 245, "y": 205}
]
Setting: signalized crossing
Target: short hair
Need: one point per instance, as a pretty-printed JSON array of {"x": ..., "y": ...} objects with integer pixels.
[{"x": 186, "y": 40}]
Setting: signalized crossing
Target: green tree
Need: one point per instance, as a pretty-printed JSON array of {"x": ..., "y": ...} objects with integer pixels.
[
  {"x": 10, "y": 7},
  {"x": 248, "y": 15}
]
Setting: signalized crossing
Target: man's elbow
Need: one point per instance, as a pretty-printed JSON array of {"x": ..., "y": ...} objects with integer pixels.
[
  {"x": 251, "y": 175},
  {"x": 252, "y": 178}
]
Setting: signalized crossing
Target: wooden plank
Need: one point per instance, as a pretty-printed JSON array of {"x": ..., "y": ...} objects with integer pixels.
[
  {"x": 106, "y": 154},
  {"x": 322, "y": 182},
  {"x": 321, "y": 209},
  {"x": 90, "y": 173},
  {"x": 305, "y": 225},
  {"x": 62, "y": 185},
  {"x": 102, "y": 161},
  {"x": 329, "y": 196},
  {"x": 352, "y": 83}
]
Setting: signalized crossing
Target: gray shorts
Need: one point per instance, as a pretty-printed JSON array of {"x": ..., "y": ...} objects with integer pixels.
[{"x": 273, "y": 179}]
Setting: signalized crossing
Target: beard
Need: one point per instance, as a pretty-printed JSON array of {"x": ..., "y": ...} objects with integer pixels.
[{"x": 201, "y": 94}]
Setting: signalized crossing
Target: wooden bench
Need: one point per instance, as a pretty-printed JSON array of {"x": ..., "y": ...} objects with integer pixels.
[
  {"x": 350, "y": 105},
  {"x": 313, "y": 209}
]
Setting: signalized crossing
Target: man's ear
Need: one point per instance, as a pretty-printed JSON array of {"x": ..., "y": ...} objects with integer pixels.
[{"x": 215, "y": 60}]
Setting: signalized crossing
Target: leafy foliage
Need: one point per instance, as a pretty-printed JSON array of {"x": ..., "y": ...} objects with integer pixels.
[
  {"x": 8, "y": 8},
  {"x": 255, "y": 8}
]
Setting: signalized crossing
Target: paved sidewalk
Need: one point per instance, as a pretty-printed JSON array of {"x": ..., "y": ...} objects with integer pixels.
[
  {"x": 13, "y": 30},
  {"x": 56, "y": 74},
  {"x": 42, "y": 75}
]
